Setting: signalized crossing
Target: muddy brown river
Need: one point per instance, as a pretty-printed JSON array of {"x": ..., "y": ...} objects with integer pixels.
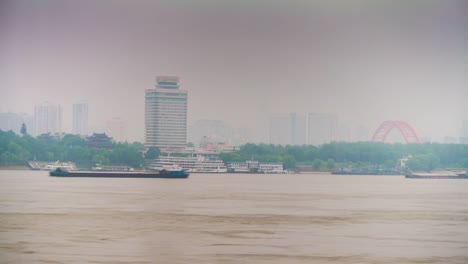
[{"x": 232, "y": 218}]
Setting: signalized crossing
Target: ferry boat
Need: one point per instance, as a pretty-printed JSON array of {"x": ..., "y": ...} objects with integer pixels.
[
  {"x": 253, "y": 166},
  {"x": 168, "y": 174},
  {"x": 198, "y": 164}
]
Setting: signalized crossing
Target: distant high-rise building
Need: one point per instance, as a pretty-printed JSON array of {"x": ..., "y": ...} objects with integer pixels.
[
  {"x": 287, "y": 129},
  {"x": 47, "y": 119},
  {"x": 14, "y": 121},
  {"x": 464, "y": 133},
  {"x": 298, "y": 129},
  {"x": 280, "y": 129},
  {"x": 322, "y": 128},
  {"x": 214, "y": 130},
  {"x": 117, "y": 129},
  {"x": 80, "y": 119},
  {"x": 166, "y": 114}
]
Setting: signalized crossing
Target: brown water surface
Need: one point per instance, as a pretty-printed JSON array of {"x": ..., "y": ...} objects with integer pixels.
[{"x": 229, "y": 218}]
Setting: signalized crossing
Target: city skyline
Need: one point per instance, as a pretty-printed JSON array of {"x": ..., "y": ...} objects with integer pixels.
[{"x": 366, "y": 62}]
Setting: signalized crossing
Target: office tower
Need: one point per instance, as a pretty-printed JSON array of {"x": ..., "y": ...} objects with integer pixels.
[
  {"x": 166, "y": 114},
  {"x": 298, "y": 129},
  {"x": 322, "y": 128},
  {"x": 47, "y": 119},
  {"x": 287, "y": 129},
  {"x": 116, "y": 128},
  {"x": 80, "y": 119}
]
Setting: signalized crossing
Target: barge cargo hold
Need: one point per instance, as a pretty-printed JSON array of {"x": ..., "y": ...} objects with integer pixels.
[{"x": 179, "y": 174}]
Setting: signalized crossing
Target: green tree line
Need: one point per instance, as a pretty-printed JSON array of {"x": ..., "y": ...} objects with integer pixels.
[
  {"x": 18, "y": 150},
  {"x": 356, "y": 154}
]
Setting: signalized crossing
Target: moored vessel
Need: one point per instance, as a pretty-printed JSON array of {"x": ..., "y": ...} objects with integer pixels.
[
  {"x": 198, "y": 164},
  {"x": 169, "y": 174},
  {"x": 437, "y": 175}
]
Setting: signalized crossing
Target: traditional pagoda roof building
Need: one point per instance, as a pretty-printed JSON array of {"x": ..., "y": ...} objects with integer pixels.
[
  {"x": 48, "y": 137},
  {"x": 99, "y": 140}
]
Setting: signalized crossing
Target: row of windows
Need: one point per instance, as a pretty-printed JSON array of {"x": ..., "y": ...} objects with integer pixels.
[
  {"x": 165, "y": 117},
  {"x": 165, "y": 99},
  {"x": 166, "y": 130},
  {"x": 153, "y": 125},
  {"x": 166, "y": 113},
  {"x": 165, "y": 94},
  {"x": 155, "y": 103},
  {"x": 168, "y": 122},
  {"x": 166, "y": 107}
]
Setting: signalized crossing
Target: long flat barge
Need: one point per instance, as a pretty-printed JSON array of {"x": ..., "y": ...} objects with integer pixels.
[
  {"x": 436, "y": 176},
  {"x": 121, "y": 174}
]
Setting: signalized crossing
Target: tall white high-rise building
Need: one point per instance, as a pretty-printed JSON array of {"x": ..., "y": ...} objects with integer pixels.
[
  {"x": 166, "y": 114},
  {"x": 47, "y": 119},
  {"x": 80, "y": 119},
  {"x": 322, "y": 128}
]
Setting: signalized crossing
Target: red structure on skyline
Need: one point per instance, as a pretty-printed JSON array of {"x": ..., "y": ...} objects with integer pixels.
[{"x": 405, "y": 129}]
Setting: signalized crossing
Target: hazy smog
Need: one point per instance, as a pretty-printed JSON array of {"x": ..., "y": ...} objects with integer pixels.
[{"x": 364, "y": 61}]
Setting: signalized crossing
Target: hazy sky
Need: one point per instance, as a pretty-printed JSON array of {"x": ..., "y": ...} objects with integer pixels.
[{"x": 366, "y": 61}]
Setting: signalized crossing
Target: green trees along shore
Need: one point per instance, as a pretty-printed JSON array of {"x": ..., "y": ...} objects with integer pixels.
[
  {"x": 357, "y": 155},
  {"x": 17, "y": 150}
]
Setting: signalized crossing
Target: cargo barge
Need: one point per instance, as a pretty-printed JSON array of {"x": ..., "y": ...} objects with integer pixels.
[
  {"x": 167, "y": 174},
  {"x": 437, "y": 176},
  {"x": 366, "y": 172}
]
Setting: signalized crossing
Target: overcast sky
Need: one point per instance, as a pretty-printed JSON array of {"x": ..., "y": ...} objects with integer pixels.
[{"x": 366, "y": 61}]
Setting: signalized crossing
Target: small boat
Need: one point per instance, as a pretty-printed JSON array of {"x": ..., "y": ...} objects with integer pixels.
[{"x": 168, "y": 174}]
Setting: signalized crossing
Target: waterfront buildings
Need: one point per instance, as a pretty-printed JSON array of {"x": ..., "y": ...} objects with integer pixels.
[
  {"x": 166, "y": 114},
  {"x": 287, "y": 129},
  {"x": 117, "y": 129},
  {"x": 47, "y": 119},
  {"x": 322, "y": 128},
  {"x": 80, "y": 119}
]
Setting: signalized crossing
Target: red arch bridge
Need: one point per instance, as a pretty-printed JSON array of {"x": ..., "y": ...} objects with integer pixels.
[{"x": 405, "y": 129}]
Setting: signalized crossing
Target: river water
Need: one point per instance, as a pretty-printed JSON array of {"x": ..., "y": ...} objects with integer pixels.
[{"x": 232, "y": 218}]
